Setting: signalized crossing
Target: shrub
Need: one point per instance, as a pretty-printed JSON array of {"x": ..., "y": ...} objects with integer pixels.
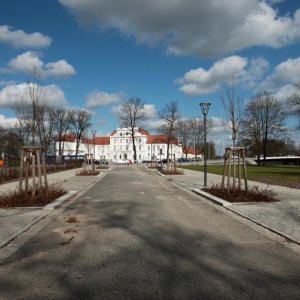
[
  {"x": 18, "y": 198},
  {"x": 254, "y": 194},
  {"x": 102, "y": 167},
  {"x": 172, "y": 172},
  {"x": 13, "y": 173},
  {"x": 87, "y": 173}
]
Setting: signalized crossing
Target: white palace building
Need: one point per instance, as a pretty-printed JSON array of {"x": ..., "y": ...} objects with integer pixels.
[{"x": 119, "y": 145}]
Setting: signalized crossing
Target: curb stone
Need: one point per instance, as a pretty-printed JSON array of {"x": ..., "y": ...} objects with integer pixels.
[{"x": 212, "y": 198}]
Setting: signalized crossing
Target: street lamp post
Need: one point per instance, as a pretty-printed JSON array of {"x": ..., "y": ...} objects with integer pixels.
[
  {"x": 195, "y": 127},
  {"x": 205, "y": 108},
  {"x": 94, "y": 134}
]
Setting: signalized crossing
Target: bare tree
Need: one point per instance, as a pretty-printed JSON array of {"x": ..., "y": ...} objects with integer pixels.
[
  {"x": 10, "y": 144},
  {"x": 132, "y": 112},
  {"x": 80, "y": 122},
  {"x": 185, "y": 129},
  {"x": 263, "y": 121},
  {"x": 169, "y": 114},
  {"x": 233, "y": 110},
  {"x": 61, "y": 124},
  {"x": 294, "y": 102},
  {"x": 45, "y": 128},
  {"x": 31, "y": 112}
]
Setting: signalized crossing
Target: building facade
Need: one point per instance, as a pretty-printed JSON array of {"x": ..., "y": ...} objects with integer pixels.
[{"x": 119, "y": 145}]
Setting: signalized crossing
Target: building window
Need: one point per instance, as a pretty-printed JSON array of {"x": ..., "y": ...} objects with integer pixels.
[
  {"x": 126, "y": 141},
  {"x": 148, "y": 148},
  {"x": 120, "y": 141},
  {"x": 140, "y": 148},
  {"x": 127, "y": 148},
  {"x": 115, "y": 141},
  {"x": 140, "y": 156}
]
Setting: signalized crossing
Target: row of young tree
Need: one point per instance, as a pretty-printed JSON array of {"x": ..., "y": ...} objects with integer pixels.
[
  {"x": 188, "y": 132},
  {"x": 42, "y": 128},
  {"x": 40, "y": 124},
  {"x": 259, "y": 124}
]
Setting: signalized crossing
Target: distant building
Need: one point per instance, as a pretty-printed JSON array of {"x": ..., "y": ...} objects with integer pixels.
[
  {"x": 191, "y": 153},
  {"x": 119, "y": 145}
]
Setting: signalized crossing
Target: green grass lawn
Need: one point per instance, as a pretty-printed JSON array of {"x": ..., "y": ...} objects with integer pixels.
[{"x": 279, "y": 175}]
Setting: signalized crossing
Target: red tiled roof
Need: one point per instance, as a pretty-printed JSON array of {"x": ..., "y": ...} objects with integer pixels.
[
  {"x": 99, "y": 140},
  {"x": 87, "y": 140},
  {"x": 105, "y": 140},
  {"x": 186, "y": 150},
  {"x": 102, "y": 140},
  {"x": 160, "y": 139},
  {"x": 67, "y": 138},
  {"x": 144, "y": 132}
]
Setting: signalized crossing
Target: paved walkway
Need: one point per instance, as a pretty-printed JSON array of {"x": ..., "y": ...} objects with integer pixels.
[
  {"x": 16, "y": 220},
  {"x": 282, "y": 217}
]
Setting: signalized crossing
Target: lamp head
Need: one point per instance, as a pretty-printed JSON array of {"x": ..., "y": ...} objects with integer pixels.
[{"x": 204, "y": 108}]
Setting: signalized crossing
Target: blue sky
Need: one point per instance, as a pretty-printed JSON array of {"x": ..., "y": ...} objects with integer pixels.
[{"x": 93, "y": 54}]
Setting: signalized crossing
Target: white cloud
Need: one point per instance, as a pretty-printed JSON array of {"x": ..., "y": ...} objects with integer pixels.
[
  {"x": 59, "y": 69},
  {"x": 274, "y": 1},
  {"x": 255, "y": 71},
  {"x": 4, "y": 82},
  {"x": 55, "y": 96},
  {"x": 7, "y": 122},
  {"x": 200, "y": 81},
  {"x": 285, "y": 73},
  {"x": 29, "y": 60},
  {"x": 218, "y": 126},
  {"x": 20, "y": 39},
  {"x": 201, "y": 28},
  {"x": 150, "y": 111},
  {"x": 98, "y": 98},
  {"x": 151, "y": 125},
  {"x": 9, "y": 95},
  {"x": 148, "y": 123},
  {"x": 26, "y": 62},
  {"x": 116, "y": 110},
  {"x": 284, "y": 92}
]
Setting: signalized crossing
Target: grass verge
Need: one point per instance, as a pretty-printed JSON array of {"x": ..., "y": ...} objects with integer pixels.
[{"x": 288, "y": 176}]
